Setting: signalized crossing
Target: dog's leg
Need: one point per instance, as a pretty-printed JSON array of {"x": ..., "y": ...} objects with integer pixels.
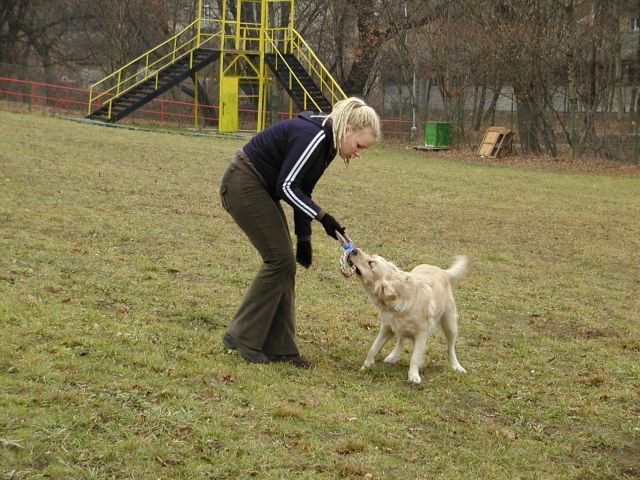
[
  {"x": 450, "y": 329},
  {"x": 383, "y": 337},
  {"x": 419, "y": 348},
  {"x": 395, "y": 354}
]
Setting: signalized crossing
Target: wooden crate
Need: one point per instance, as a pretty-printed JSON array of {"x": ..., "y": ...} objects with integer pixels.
[{"x": 497, "y": 141}]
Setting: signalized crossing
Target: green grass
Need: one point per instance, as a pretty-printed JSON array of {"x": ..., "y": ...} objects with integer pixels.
[{"x": 119, "y": 271}]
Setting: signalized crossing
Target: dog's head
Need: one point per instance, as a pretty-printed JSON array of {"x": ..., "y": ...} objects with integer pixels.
[{"x": 381, "y": 278}]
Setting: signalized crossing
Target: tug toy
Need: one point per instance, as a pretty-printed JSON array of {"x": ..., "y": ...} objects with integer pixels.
[{"x": 346, "y": 267}]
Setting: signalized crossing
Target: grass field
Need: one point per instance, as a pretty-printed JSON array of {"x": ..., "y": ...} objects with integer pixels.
[{"x": 119, "y": 271}]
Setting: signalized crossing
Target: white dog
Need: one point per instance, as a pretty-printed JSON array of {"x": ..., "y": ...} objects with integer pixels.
[{"x": 410, "y": 304}]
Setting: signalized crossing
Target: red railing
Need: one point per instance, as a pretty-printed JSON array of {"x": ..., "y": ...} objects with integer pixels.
[{"x": 75, "y": 100}]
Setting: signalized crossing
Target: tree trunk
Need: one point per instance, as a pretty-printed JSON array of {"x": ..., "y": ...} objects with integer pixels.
[
  {"x": 572, "y": 81},
  {"x": 536, "y": 133},
  {"x": 427, "y": 100},
  {"x": 619, "y": 84},
  {"x": 207, "y": 112},
  {"x": 491, "y": 111},
  {"x": 459, "y": 102},
  {"x": 371, "y": 36},
  {"x": 480, "y": 109}
]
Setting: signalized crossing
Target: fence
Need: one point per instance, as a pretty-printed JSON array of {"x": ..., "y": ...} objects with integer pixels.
[{"x": 74, "y": 100}]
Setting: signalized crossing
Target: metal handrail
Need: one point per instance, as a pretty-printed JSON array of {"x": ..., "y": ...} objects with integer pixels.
[
  {"x": 292, "y": 42},
  {"x": 278, "y": 40},
  {"x": 151, "y": 67},
  {"x": 293, "y": 76},
  {"x": 318, "y": 67}
]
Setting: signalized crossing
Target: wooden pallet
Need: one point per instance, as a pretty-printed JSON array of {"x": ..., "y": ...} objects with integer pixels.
[
  {"x": 497, "y": 141},
  {"x": 428, "y": 148}
]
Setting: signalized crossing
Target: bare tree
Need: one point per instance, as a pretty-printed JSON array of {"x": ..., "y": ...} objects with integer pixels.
[
  {"x": 582, "y": 51},
  {"x": 39, "y": 33},
  {"x": 13, "y": 19},
  {"x": 120, "y": 30}
]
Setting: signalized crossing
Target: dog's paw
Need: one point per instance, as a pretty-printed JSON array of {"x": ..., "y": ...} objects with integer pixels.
[
  {"x": 366, "y": 365},
  {"x": 414, "y": 377},
  {"x": 459, "y": 369}
]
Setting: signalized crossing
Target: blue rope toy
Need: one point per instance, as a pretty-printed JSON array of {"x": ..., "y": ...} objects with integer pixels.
[{"x": 346, "y": 267}]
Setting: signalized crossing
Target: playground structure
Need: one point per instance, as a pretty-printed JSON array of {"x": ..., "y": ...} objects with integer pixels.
[{"x": 247, "y": 52}]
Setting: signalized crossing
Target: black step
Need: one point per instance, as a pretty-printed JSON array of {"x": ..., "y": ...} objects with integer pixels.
[
  {"x": 291, "y": 64},
  {"x": 169, "y": 76}
]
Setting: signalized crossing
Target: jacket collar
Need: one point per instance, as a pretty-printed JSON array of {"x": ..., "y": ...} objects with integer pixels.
[{"x": 318, "y": 120}]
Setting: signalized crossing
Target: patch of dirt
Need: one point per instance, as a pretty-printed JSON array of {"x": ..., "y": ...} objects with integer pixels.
[
  {"x": 564, "y": 330},
  {"x": 591, "y": 332},
  {"x": 628, "y": 460},
  {"x": 593, "y": 166}
]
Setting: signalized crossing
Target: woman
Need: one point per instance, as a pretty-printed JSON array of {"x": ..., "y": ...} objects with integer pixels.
[{"x": 284, "y": 162}]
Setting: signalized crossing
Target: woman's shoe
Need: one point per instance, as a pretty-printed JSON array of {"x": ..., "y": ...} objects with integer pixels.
[
  {"x": 249, "y": 355},
  {"x": 295, "y": 360}
]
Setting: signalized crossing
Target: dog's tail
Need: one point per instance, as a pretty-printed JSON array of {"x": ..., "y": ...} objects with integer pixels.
[{"x": 456, "y": 271}]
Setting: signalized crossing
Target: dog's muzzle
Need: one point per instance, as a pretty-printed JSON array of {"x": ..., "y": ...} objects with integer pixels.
[{"x": 352, "y": 254}]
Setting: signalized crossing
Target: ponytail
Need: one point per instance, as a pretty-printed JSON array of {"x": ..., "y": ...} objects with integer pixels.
[{"x": 356, "y": 113}]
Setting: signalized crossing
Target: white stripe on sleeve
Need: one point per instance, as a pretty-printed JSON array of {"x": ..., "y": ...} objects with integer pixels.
[{"x": 286, "y": 186}]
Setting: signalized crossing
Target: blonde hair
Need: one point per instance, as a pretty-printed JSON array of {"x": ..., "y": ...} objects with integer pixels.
[{"x": 356, "y": 113}]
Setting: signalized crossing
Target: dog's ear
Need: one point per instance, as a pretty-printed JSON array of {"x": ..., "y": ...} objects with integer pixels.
[
  {"x": 390, "y": 294},
  {"x": 385, "y": 292}
]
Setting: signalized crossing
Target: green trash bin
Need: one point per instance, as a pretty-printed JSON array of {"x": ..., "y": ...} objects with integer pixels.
[{"x": 437, "y": 134}]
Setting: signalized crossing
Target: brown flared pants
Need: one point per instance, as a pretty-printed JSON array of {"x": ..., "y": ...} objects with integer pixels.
[{"x": 265, "y": 319}]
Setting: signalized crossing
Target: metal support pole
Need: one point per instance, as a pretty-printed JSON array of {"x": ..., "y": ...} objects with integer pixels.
[
  {"x": 262, "y": 74},
  {"x": 637, "y": 121},
  {"x": 511, "y": 112},
  {"x": 199, "y": 23},
  {"x": 414, "y": 128},
  {"x": 573, "y": 128},
  {"x": 196, "y": 105}
]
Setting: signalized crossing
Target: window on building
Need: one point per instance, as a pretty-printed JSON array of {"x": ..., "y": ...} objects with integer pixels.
[{"x": 634, "y": 25}]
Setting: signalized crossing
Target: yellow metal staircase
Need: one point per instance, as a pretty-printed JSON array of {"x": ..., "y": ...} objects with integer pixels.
[
  {"x": 301, "y": 73},
  {"x": 151, "y": 74},
  {"x": 245, "y": 50}
]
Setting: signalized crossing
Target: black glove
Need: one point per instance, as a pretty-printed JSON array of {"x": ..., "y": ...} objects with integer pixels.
[
  {"x": 331, "y": 226},
  {"x": 303, "y": 253}
]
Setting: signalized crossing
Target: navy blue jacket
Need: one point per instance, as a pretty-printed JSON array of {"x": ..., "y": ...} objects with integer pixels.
[{"x": 291, "y": 156}]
